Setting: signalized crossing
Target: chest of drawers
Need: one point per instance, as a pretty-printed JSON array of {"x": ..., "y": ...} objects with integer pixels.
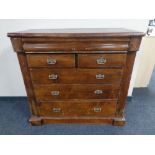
[{"x": 76, "y": 75}]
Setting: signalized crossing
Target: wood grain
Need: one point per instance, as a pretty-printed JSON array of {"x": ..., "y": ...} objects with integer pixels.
[
  {"x": 78, "y": 108},
  {"x": 90, "y": 60},
  {"x": 76, "y": 95},
  {"x": 28, "y": 83},
  {"x": 80, "y": 33},
  {"x": 40, "y": 60},
  {"x": 75, "y": 91},
  {"x": 73, "y": 120},
  {"x": 125, "y": 83},
  {"x": 80, "y": 76},
  {"x": 17, "y": 44},
  {"x": 73, "y": 46}
]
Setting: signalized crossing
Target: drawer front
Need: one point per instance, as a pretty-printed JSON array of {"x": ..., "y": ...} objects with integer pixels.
[
  {"x": 78, "y": 108},
  {"x": 101, "y": 60},
  {"x": 75, "y": 91},
  {"x": 75, "y": 46},
  {"x": 48, "y": 76},
  {"x": 51, "y": 60}
]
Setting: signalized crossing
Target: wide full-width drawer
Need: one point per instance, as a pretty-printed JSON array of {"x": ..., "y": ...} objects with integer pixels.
[
  {"x": 51, "y": 60},
  {"x": 75, "y": 91},
  {"x": 86, "y": 45},
  {"x": 101, "y": 60},
  {"x": 48, "y": 76},
  {"x": 78, "y": 108}
]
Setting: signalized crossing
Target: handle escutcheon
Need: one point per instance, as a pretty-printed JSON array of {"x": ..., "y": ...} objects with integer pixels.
[
  {"x": 55, "y": 93},
  {"x": 97, "y": 109},
  {"x": 51, "y": 61},
  {"x": 56, "y": 109},
  {"x": 98, "y": 92},
  {"x": 53, "y": 76},
  {"x": 101, "y": 61},
  {"x": 99, "y": 76}
]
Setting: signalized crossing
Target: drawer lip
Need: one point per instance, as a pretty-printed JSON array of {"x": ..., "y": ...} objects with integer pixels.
[
  {"x": 80, "y": 108},
  {"x": 75, "y": 91},
  {"x": 77, "y": 52},
  {"x": 61, "y": 60},
  {"x": 72, "y": 76},
  {"x": 79, "y": 100}
]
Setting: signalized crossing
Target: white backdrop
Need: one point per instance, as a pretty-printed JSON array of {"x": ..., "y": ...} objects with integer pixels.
[{"x": 11, "y": 83}]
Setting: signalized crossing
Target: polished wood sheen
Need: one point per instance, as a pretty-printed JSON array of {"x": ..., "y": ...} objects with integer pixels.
[
  {"x": 82, "y": 108},
  {"x": 75, "y": 91},
  {"x": 80, "y": 76},
  {"x": 112, "y": 60},
  {"x": 41, "y": 60},
  {"x": 77, "y": 75}
]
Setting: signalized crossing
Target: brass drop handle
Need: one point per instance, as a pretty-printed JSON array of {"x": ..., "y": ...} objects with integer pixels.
[
  {"x": 56, "y": 109},
  {"x": 101, "y": 61},
  {"x": 55, "y": 93},
  {"x": 53, "y": 76},
  {"x": 51, "y": 61},
  {"x": 99, "y": 76},
  {"x": 98, "y": 92},
  {"x": 97, "y": 109}
]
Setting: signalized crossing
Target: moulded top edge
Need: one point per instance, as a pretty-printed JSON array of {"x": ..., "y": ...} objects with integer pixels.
[{"x": 82, "y": 32}]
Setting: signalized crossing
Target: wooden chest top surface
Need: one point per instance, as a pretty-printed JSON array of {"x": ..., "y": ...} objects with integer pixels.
[{"x": 81, "y": 32}]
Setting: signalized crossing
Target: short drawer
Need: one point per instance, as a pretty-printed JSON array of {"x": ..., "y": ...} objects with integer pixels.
[
  {"x": 78, "y": 108},
  {"x": 75, "y": 91},
  {"x": 51, "y": 60},
  {"x": 48, "y": 76},
  {"x": 101, "y": 60}
]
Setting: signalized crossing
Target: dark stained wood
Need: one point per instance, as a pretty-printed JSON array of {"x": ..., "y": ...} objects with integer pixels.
[
  {"x": 83, "y": 76},
  {"x": 40, "y": 60},
  {"x": 82, "y": 32},
  {"x": 17, "y": 44},
  {"x": 125, "y": 83},
  {"x": 119, "y": 121},
  {"x": 72, "y": 120},
  {"x": 76, "y": 52},
  {"x": 35, "y": 120},
  {"x": 58, "y": 39},
  {"x": 28, "y": 83},
  {"x": 75, "y": 91},
  {"x": 78, "y": 108},
  {"x": 90, "y": 60},
  {"x": 135, "y": 43},
  {"x": 73, "y": 46}
]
